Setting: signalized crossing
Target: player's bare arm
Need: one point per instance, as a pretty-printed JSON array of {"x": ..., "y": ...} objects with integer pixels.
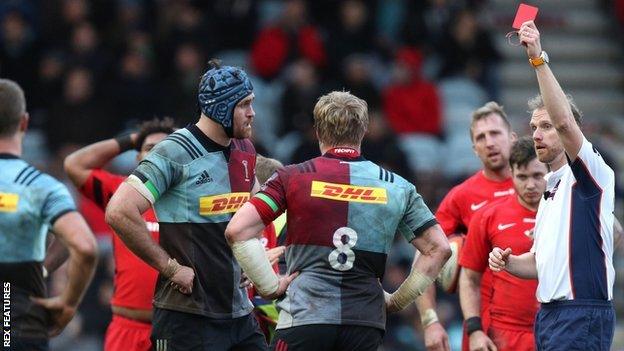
[
  {"x": 436, "y": 337},
  {"x": 470, "y": 301},
  {"x": 435, "y": 251},
  {"x": 242, "y": 234},
  {"x": 75, "y": 234},
  {"x": 56, "y": 254},
  {"x": 554, "y": 98},
  {"x": 81, "y": 162},
  {"x": 522, "y": 266},
  {"x": 124, "y": 215}
]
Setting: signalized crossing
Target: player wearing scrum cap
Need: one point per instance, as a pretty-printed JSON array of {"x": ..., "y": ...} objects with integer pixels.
[{"x": 196, "y": 179}]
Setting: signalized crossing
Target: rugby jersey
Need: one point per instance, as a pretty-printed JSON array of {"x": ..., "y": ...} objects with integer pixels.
[
  {"x": 196, "y": 186},
  {"x": 342, "y": 215}
]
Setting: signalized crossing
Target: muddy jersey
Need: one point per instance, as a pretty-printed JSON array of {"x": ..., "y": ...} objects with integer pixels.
[
  {"x": 343, "y": 214},
  {"x": 196, "y": 186}
]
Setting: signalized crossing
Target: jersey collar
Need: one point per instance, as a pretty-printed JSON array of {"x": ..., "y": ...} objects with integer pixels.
[
  {"x": 344, "y": 153},
  {"x": 6, "y": 156}
]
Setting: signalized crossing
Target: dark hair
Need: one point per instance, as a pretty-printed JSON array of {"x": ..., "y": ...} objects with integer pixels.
[
  {"x": 12, "y": 106},
  {"x": 157, "y": 125},
  {"x": 522, "y": 152}
]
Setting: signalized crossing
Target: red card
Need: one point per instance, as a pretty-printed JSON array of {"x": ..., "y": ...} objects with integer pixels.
[{"x": 525, "y": 13}]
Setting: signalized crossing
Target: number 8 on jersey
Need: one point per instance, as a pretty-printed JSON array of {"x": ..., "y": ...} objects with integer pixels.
[{"x": 342, "y": 257}]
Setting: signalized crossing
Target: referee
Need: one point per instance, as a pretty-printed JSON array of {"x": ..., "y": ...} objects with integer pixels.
[{"x": 572, "y": 255}]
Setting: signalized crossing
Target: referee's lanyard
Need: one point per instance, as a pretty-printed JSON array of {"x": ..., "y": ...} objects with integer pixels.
[{"x": 345, "y": 152}]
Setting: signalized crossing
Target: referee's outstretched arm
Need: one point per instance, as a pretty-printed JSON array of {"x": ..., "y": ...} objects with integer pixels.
[{"x": 555, "y": 100}]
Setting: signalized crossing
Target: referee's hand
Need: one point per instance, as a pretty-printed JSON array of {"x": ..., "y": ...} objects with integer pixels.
[{"x": 499, "y": 258}]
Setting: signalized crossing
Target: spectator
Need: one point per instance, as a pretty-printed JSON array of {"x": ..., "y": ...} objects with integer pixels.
[
  {"x": 18, "y": 51},
  {"x": 78, "y": 118},
  {"x": 412, "y": 104},
  {"x": 291, "y": 38},
  {"x": 465, "y": 50},
  {"x": 353, "y": 34},
  {"x": 302, "y": 91}
]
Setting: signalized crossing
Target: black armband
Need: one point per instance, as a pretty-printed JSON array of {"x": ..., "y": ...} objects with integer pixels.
[
  {"x": 473, "y": 324},
  {"x": 125, "y": 142}
]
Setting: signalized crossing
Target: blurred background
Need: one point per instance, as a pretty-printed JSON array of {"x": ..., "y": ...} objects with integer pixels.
[{"x": 93, "y": 69}]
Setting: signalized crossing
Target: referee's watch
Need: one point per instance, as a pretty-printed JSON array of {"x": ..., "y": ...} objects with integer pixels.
[{"x": 540, "y": 60}]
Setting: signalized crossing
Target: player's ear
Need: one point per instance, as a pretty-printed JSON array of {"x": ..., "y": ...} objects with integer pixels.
[
  {"x": 23, "y": 125},
  {"x": 513, "y": 136}
]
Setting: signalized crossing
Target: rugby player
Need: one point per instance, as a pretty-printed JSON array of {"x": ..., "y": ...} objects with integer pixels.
[
  {"x": 31, "y": 203},
  {"x": 492, "y": 137},
  {"x": 196, "y": 179},
  {"x": 342, "y": 215},
  {"x": 506, "y": 223},
  {"x": 134, "y": 280}
]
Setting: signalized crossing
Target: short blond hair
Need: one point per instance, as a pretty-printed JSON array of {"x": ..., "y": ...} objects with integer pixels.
[
  {"x": 340, "y": 118},
  {"x": 486, "y": 110},
  {"x": 265, "y": 167}
]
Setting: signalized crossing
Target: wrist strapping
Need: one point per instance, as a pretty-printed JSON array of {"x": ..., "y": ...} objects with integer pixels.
[
  {"x": 251, "y": 256},
  {"x": 172, "y": 268},
  {"x": 472, "y": 325},
  {"x": 428, "y": 317},
  {"x": 414, "y": 285},
  {"x": 125, "y": 142}
]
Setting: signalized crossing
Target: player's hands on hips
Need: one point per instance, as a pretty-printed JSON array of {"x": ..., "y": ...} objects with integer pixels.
[
  {"x": 275, "y": 253},
  {"x": 530, "y": 37},
  {"x": 284, "y": 282},
  {"x": 183, "y": 279},
  {"x": 436, "y": 338},
  {"x": 390, "y": 306},
  {"x": 481, "y": 342},
  {"x": 499, "y": 258},
  {"x": 61, "y": 313}
]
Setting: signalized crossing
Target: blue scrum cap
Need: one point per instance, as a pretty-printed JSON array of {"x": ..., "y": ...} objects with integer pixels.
[{"x": 220, "y": 89}]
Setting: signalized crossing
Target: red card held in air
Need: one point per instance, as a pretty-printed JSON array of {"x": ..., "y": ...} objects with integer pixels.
[{"x": 525, "y": 13}]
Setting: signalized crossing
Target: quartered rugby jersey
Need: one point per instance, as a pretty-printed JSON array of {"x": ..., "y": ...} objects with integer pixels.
[
  {"x": 343, "y": 214},
  {"x": 196, "y": 185},
  {"x": 30, "y": 203}
]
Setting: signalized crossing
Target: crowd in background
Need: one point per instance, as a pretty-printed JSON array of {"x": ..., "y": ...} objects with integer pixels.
[{"x": 94, "y": 68}]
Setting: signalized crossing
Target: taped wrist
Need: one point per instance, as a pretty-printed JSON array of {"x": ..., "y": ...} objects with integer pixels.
[
  {"x": 472, "y": 325},
  {"x": 414, "y": 285},
  {"x": 428, "y": 317},
  {"x": 252, "y": 258},
  {"x": 172, "y": 268},
  {"x": 125, "y": 143}
]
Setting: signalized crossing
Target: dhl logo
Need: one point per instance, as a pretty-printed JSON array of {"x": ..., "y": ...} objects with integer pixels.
[
  {"x": 8, "y": 202},
  {"x": 220, "y": 204},
  {"x": 351, "y": 193}
]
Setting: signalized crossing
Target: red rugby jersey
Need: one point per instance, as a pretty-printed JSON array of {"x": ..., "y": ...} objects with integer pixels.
[
  {"x": 458, "y": 207},
  {"x": 134, "y": 279},
  {"x": 504, "y": 224}
]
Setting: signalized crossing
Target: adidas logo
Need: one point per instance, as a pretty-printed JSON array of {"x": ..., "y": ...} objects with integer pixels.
[{"x": 203, "y": 178}]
